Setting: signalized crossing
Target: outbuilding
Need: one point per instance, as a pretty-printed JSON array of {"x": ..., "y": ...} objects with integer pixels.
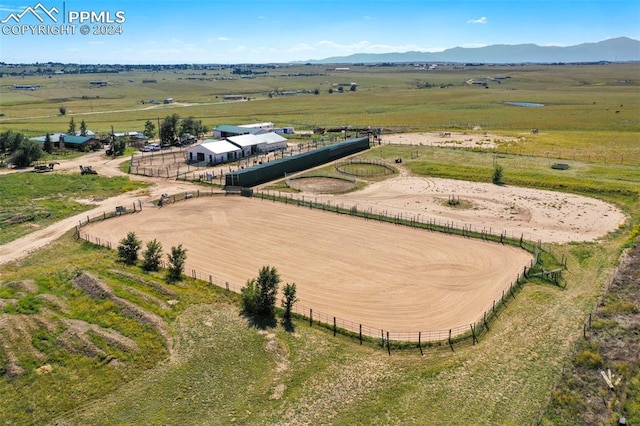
[
  {"x": 255, "y": 144},
  {"x": 225, "y": 130},
  {"x": 213, "y": 151}
]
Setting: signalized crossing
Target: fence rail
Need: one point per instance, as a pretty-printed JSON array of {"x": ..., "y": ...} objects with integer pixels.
[{"x": 387, "y": 338}]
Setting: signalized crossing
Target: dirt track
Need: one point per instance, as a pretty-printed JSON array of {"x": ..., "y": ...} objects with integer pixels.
[{"x": 381, "y": 275}]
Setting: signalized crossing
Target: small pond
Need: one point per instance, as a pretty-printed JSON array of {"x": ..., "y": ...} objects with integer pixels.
[{"x": 525, "y": 104}]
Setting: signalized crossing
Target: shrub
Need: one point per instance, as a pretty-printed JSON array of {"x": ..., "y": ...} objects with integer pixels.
[
  {"x": 152, "y": 256},
  {"x": 497, "y": 174},
  {"x": 128, "y": 249},
  {"x": 588, "y": 359},
  {"x": 176, "y": 259},
  {"x": 259, "y": 294},
  {"x": 289, "y": 292}
]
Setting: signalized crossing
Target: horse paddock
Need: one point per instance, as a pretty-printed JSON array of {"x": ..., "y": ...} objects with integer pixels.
[{"x": 381, "y": 275}]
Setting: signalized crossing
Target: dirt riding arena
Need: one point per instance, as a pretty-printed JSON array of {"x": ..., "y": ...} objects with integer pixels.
[{"x": 377, "y": 274}]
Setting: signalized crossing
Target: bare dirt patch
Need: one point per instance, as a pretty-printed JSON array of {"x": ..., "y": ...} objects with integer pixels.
[
  {"x": 448, "y": 139},
  {"x": 535, "y": 214},
  {"x": 377, "y": 274},
  {"x": 321, "y": 185}
]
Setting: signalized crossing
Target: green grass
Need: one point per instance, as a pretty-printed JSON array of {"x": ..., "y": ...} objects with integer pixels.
[
  {"x": 30, "y": 201},
  {"x": 576, "y": 97},
  {"x": 612, "y": 182},
  {"x": 222, "y": 371}
]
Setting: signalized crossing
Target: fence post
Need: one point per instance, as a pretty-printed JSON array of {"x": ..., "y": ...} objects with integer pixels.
[
  {"x": 310, "y": 317},
  {"x": 484, "y": 317},
  {"x": 450, "y": 342},
  {"x": 361, "y": 334},
  {"x": 334, "y": 326},
  {"x": 473, "y": 334},
  {"x": 420, "y": 342},
  {"x": 388, "y": 344},
  {"x": 382, "y": 334}
]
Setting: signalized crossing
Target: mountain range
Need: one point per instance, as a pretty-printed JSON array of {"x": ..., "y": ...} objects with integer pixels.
[{"x": 621, "y": 49}]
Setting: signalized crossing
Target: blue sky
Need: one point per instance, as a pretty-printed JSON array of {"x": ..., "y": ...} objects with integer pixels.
[{"x": 263, "y": 31}]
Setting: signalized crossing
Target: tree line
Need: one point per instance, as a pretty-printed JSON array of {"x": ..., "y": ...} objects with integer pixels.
[{"x": 130, "y": 245}]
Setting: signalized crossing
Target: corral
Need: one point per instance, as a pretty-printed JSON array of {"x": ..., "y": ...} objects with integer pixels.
[{"x": 377, "y": 274}]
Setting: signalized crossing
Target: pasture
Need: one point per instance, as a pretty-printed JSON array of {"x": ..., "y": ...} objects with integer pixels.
[{"x": 583, "y": 98}]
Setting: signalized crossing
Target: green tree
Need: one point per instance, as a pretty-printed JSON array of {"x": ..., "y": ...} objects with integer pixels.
[
  {"x": 48, "y": 145},
  {"x": 259, "y": 294},
  {"x": 169, "y": 129},
  {"x": 72, "y": 127},
  {"x": 176, "y": 258},
  {"x": 152, "y": 256},
  {"x": 62, "y": 110},
  {"x": 353, "y": 87},
  {"x": 191, "y": 126},
  {"x": 128, "y": 249},
  {"x": 316, "y": 91},
  {"x": 119, "y": 145},
  {"x": 10, "y": 141},
  {"x": 149, "y": 129},
  {"x": 289, "y": 299},
  {"x": 27, "y": 152},
  {"x": 83, "y": 128},
  {"x": 498, "y": 172},
  {"x": 249, "y": 296}
]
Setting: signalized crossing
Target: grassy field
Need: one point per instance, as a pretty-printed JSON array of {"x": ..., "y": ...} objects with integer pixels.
[
  {"x": 576, "y": 97},
  {"x": 31, "y": 201},
  {"x": 196, "y": 359}
]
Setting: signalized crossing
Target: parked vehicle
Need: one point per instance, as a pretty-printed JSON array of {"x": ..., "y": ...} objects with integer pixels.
[
  {"x": 150, "y": 147},
  {"x": 87, "y": 170}
]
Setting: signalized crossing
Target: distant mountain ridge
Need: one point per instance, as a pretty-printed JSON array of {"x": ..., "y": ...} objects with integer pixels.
[{"x": 621, "y": 49}]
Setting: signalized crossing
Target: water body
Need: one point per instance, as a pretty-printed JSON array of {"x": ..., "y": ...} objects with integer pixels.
[{"x": 525, "y": 104}]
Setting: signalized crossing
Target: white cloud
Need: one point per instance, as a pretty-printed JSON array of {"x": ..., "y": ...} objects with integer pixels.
[
  {"x": 300, "y": 47},
  {"x": 11, "y": 9},
  {"x": 482, "y": 21},
  {"x": 473, "y": 45},
  {"x": 221, "y": 38}
]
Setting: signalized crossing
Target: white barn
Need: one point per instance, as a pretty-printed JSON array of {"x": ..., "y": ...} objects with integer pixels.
[
  {"x": 255, "y": 144},
  {"x": 213, "y": 151}
]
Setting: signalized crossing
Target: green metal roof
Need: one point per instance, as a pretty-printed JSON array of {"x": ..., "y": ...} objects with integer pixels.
[
  {"x": 225, "y": 128},
  {"x": 76, "y": 140}
]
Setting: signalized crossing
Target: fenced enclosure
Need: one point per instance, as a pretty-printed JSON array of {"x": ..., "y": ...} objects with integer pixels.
[
  {"x": 469, "y": 333},
  {"x": 366, "y": 168},
  {"x": 279, "y": 168}
]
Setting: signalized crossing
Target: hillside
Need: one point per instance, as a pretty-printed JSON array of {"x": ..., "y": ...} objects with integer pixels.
[{"x": 620, "y": 49}]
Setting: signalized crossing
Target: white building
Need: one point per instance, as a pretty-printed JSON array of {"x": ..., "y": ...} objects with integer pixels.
[
  {"x": 213, "y": 151},
  {"x": 255, "y": 144},
  {"x": 264, "y": 126}
]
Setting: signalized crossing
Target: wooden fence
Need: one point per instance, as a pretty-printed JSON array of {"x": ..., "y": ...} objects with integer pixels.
[{"x": 460, "y": 334}]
